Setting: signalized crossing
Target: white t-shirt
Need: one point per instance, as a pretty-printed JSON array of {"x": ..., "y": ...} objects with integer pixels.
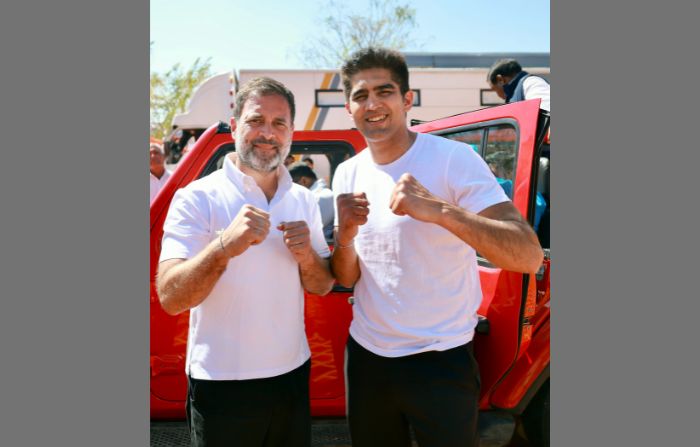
[
  {"x": 157, "y": 183},
  {"x": 324, "y": 196},
  {"x": 535, "y": 87},
  {"x": 419, "y": 284},
  {"x": 252, "y": 323}
]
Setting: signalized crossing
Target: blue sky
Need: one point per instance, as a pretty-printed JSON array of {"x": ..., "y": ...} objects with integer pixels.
[{"x": 264, "y": 34}]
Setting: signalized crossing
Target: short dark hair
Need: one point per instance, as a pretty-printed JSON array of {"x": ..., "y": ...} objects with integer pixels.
[
  {"x": 503, "y": 67},
  {"x": 262, "y": 86},
  {"x": 299, "y": 170},
  {"x": 375, "y": 57}
]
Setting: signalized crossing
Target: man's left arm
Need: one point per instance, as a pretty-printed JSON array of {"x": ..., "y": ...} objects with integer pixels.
[
  {"x": 499, "y": 232},
  {"x": 314, "y": 271}
]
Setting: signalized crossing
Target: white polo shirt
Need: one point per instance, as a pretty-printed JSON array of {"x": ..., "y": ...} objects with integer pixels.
[
  {"x": 419, "y": 284},
  {"x": 252, "y": 323}
]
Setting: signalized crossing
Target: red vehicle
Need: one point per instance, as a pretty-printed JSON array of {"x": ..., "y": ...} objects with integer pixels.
[{"x": 512, "y": 340}]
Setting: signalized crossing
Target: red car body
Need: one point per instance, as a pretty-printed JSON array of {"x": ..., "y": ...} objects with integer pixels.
[{"x": 512, "y": 341}]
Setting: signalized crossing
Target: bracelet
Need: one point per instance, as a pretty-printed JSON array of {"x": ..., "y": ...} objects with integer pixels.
[
  {"x": 221, "y": 244},
  {"x": 352, "y": 243}
]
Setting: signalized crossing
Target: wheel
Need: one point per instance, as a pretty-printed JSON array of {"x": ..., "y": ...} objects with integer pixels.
[{"x": 536, "y": 418}]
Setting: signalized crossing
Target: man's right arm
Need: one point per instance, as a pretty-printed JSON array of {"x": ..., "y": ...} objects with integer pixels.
[
  {"x": 184, "y": 283},
  {"x": 353, "y": 209}
]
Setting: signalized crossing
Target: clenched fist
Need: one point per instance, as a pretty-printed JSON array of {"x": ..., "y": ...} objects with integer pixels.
[
  {"x": 410, "y": 198},
  {"x": 297, "y": 238},
  {"x": 250, "y": 227},
  {"x": 353, "y": 209}
]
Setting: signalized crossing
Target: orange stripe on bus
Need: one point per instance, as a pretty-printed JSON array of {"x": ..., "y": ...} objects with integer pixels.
[{"x": 314, "y": 110}]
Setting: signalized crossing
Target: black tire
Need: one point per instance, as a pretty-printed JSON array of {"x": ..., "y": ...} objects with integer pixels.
[{"x": 536, "y": 418}]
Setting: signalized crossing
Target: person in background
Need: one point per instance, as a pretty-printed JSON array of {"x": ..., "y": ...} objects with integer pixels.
[
  {"x": 159, "y": 174},
  {"x": 305, "y": 176},
  {"x": 507, "y": 78},
  {"x": 308, "y": 160},
  {"x": 289, "y": 160},
  {"x": 412, "y": 211},
  {"x": 239, "y": 247}
]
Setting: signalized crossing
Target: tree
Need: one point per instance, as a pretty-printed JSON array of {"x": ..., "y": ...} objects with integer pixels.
[
  {"x": 170, "y": 92},
  {"x": 386, "y": 23}
]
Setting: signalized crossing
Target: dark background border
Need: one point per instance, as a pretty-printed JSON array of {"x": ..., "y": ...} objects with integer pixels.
[
  {"x": 74, "y": 232},
  {"x": 74, "y": 225},
  {"x": 624, "y": 345}
]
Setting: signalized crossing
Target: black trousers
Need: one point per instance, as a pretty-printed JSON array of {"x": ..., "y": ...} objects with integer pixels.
[
  {"x": 266, "y": 412},
  {"x": 435, "y": 392}
]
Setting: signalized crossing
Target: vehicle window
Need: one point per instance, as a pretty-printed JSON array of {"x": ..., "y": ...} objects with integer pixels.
[
  {"x": 544, "y": 204},
  {"x": 497, "y": 145},
  {"x": 473, "y": 137},
  {"x": 500, "y": 154},
  {"x": 220, "y": 160},
  {"x": 217, "y": 160}
]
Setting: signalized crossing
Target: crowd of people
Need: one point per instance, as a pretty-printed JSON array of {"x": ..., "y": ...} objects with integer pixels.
[{"x": 407, "y": 216}]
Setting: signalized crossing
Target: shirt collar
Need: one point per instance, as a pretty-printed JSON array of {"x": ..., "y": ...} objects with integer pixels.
[{"x": 247, "y": 183}]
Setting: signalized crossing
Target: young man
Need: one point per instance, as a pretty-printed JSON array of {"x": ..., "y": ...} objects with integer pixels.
[
  {"x": 238, "y": 248},
  {"x": 412, "y": 210}
]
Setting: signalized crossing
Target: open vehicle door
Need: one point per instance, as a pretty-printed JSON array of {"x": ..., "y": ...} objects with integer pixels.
[
  {"x": 513, "y": 308},
  {"x": 327, "y": 318}
]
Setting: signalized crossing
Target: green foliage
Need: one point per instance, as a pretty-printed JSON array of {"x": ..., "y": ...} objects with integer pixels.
[
  {"x": 386, "y": 23},
  {"x": 170, "y": 92}
]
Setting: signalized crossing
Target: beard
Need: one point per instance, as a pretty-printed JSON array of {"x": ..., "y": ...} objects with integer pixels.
[{"x": 257, "y": 159}]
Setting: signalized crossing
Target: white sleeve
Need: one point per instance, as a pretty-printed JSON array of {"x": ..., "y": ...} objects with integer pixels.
[
  {"x": 186, "y": 230},
  {"x": 318, "y": 240},
  {"x": 325, "y": 203},
  {"x": 339, "y": 187},
  {"x": 473, "y": 186},
  {"x": 535, "y": 87}
]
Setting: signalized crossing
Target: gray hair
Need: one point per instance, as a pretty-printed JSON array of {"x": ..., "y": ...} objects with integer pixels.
[{"x": 262, "y": 86}]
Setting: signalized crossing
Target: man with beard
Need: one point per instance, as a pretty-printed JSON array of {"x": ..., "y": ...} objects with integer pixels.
[{"x": 239, "y": 246}]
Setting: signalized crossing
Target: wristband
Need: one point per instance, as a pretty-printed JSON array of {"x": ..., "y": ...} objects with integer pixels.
[
  {"x": 337, "y": 244},
  {"x": 221, "y": 244}
]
